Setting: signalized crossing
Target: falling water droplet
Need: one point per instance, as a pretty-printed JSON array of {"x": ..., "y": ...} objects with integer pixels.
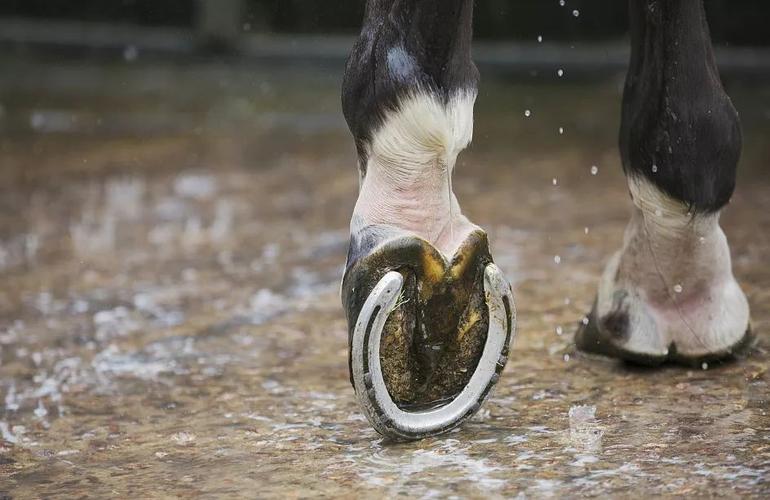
[
  {"x": 561, "y": 130},
  {"x": 539, "y": 38},
  {"x": 678, "y": 288},
  {"x": 585, "y": 230},
  {"x": 554, "y": 181},
  {"x": 654, "y": 168},
  {"x": 560, "y": 72},
  {"x": 562, "y": 2},
  {"x": 557, "y": 259},
  {"x": 704, "y": 366},
  {"x": 566, "y": 358},
  {"x": 527, "y": 113},
  {"x": 658, "y": 212},
  {"x": 559, "y": 330},
  {"x": 585, "y": 320},
  {"x": 594, "y": 170},
  {"x": 575, "y": 12}
]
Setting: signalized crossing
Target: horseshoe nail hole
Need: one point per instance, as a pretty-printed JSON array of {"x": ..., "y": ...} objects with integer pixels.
[{"x": 508, "y": 315}]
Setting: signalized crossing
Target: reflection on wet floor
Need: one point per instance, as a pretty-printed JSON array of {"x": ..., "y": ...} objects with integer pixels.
[{"x": 171, "y": 246}]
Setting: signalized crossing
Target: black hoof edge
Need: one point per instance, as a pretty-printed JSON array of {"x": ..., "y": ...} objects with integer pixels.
[{"x": 590, "y": 339}]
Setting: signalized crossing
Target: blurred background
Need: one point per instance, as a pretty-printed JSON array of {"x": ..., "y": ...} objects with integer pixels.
[
  {"x": 176, "y": 182},
  {"x": 737, "y": 23}
]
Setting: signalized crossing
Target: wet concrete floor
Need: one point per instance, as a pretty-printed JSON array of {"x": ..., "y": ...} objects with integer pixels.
[{"x": 171, "y": 244}]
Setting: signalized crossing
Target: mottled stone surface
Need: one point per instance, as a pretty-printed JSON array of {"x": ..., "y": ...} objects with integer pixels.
[{"x": 171, "y": 244}]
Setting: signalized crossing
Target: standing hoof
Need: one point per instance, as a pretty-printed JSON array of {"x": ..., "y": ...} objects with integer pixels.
[
  {"x": 669, "y": 294},
  {"x": 604, "y": 336},
  {"x": 429, "y": 337}
]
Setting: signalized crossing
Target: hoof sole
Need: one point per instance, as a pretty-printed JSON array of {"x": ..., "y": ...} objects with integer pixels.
[{"x": 373, "y": 395}]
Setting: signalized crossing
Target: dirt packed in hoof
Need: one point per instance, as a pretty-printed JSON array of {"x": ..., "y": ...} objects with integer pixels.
[{"x": 434, "y": 338}]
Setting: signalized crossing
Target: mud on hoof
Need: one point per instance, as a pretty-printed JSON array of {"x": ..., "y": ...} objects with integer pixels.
[
  {"x": 428, "y": 336},
  {"x": 669, "y": 294}
]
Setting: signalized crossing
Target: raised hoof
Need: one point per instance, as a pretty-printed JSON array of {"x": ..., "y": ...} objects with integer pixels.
[{"x": 428, "y": 337}]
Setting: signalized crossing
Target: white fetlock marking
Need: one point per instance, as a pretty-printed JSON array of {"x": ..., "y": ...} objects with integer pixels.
[
  {"x": 410, "y": 160},
  {"x": 422, "y": 423},
  {"x": 422, "y": 130},
  {"x": 670, "y": 217},
  {"x": 677, "y": 272}
]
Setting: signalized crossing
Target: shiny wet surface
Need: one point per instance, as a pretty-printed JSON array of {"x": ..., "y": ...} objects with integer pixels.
[{"x": 171, "y": 246}]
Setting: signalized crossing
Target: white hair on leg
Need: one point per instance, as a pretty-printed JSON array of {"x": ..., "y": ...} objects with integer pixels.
[
  {"x": 673, "y": 278},
  {"x": 409, "y": 169}
]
